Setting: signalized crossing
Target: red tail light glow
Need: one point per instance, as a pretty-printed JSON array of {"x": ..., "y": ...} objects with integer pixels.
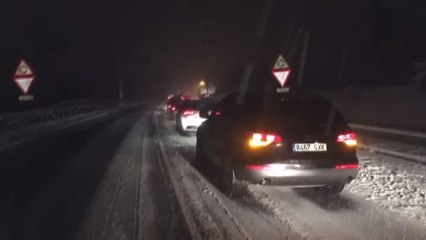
[
  {"x": 258, "y": 140},
  {"x": 187, "y": 113},
  {"x": 347, "y": 166},
  {"x": 257, "y": 167},
  {"x": 348, "y": 138},
  {"x": 173, "y": 108}
]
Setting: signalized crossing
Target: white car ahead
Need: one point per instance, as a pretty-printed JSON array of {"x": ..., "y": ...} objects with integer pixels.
[{"x": 188, "y": 116}]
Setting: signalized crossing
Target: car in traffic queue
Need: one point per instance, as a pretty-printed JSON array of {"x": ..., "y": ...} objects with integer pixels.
[
  {"x": 301, "y": 141},
  {"x": 173, "y": 104},
  {"x": 188, "y": 115}
]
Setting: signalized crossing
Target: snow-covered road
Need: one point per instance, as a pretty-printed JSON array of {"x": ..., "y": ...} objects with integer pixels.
[
  {"x": 135, "y": 199},
  {"x": 276, "y": 212}
]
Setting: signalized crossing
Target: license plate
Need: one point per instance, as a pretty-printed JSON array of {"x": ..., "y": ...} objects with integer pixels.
[{"x": 309, "y": 147}]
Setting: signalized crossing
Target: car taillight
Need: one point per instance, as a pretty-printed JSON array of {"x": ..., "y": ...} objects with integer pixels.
[
  {"x": 258, "y": 140},
  {"x": 348, "y": 138},
  {"x": 187, "y": 113},
  {"x": 257, "y": 167},
  {"x": 347, "y": 166},
  {"x": 173, "y": 108}
]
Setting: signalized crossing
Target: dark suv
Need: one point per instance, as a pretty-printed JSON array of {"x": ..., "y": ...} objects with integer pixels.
[{"x": 300, "y": 140}]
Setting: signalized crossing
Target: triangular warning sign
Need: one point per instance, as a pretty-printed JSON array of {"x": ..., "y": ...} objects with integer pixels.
[
  {"x": 23, "y": 69},
  {"x": 280, "y": 63},
  {"x": 282, "y": 76},
  {"x": 24, "y": 83}
]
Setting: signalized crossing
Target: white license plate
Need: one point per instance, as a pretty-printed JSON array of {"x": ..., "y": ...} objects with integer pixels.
[{"x": 309, "y": 147}]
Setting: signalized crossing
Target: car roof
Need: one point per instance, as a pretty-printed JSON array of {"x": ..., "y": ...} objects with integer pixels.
[
  {"x": 198, "y": 102},
  {"x": 251, "y": 98}
]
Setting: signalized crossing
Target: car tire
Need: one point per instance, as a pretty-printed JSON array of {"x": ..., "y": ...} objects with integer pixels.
[
  {"x": 229, "y": 185},
  {"x": 179, "y": 128},
  {"x": 333, "y": 189},
  {"x": 169, "y": 116},
  {"x": 200, "y": 157}
]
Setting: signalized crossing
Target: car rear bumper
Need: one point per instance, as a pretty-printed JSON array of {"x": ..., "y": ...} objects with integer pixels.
[
  {"x": 291, "y": 176},
  {"x": 191, "y": 125}
]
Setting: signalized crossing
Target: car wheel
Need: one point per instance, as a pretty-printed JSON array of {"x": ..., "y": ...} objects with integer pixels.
[
  {"x": 200, "y": 157},
  {"x": 332, "y": 189},
  {"x": 184, "y": 133},
  {"x": 179, "y": 128},
  {"x": 169, "y": 116},
  {"x": 229, "y": 185}
]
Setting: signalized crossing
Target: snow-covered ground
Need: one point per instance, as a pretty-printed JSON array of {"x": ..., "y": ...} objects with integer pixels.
[
  {"x": 385, "y": 202},
  {"x": 396, "y": 184}
]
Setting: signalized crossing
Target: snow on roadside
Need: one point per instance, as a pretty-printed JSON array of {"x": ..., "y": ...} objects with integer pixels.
[{"x": 393, "y": 183}]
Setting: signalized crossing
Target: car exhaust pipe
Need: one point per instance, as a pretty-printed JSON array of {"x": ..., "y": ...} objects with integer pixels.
[{"x": 265, "y": 182}]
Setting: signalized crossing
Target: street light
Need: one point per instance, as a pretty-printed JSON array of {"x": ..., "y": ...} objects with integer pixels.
[{"x": 202, "y": 83}]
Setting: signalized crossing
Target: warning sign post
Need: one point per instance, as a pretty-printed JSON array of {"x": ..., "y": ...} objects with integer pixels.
[
  {"x": 24, "y": 76},
  {"x": 281, "y": 71}
]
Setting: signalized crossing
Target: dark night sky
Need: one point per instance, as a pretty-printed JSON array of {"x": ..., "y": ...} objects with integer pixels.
[{"x": 80, "y": 49}]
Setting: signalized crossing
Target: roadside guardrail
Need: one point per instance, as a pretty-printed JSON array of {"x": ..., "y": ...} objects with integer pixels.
[
  {"x": 16, "y": 128},
  {"x": 404, "y": 144}
]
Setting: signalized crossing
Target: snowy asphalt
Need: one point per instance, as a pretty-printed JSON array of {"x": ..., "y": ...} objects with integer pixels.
[{"x": 131, "y": 178}]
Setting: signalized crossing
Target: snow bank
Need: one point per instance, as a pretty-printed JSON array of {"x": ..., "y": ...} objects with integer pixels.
[
  {"x": 392, "y": 183},
  {"x": 398, "y": 106}
]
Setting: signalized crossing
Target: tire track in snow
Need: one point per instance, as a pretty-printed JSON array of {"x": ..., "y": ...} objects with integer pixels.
[
  {"x": 111, "y": 214},
  {"x": 173, "y": 164}
]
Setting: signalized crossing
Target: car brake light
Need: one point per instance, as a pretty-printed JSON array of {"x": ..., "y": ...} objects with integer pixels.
[
  {"x": 257, "y": 167},
  {"x": 347, "y": 166},
  {"x": 173, "y": 108},
  {"x": 348, "y": 138},
  {"x": 187, "y": 113},
  {"x": 263, "y": 139}
]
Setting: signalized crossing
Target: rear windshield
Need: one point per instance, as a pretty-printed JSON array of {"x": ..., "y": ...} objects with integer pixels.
[
  {"x": 196, "y": 104},
  {"x": 316, "y": 112},
  {"x": 174, "y": 100}
]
